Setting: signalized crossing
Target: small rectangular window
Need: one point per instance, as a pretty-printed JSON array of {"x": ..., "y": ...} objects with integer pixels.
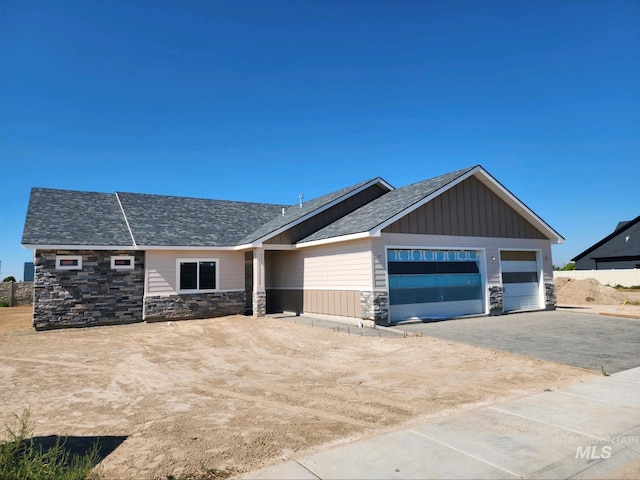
[
  {"x": 197, "y": 274},
  {"x": 125, "y": 262},
  {"x": 68, "y": 262}
]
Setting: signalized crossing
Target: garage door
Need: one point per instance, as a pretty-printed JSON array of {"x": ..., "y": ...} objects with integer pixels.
[
  {"x": 434, "y": 283},
  {"x": 520, "y": 282}
]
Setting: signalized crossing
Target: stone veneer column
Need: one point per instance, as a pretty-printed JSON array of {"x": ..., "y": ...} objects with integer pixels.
[
  {"x": 495, "y": 300},
  {"x": 550, "y": 295},
  {"x": 259, "y": 289},
  {"x": 374, "y": 305}
]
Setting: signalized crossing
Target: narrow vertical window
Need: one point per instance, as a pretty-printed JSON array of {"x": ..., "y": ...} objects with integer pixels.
[
  {"x": 207, "y": 276},
  {"x": 188, "y": 276}
]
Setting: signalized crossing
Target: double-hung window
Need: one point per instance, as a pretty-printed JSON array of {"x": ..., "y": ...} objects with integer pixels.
[{"x": 197, "y": 274}]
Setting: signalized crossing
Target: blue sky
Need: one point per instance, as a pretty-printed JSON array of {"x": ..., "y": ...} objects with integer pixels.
[{"x": 263, "y": 100}]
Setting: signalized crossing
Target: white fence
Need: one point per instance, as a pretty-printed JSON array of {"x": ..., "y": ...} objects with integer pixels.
[{"x": 627, "y": 277}]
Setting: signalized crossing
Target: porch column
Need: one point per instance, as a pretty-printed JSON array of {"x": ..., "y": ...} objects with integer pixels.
[{"x": 259, "y": 289}]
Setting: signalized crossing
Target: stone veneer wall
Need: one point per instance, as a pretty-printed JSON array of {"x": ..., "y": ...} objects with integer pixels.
[
  {"x": 495, "y": 300},
  {"x": 194, "y": 305},
  {"x": 550, "y": 295},
  {"x": 259, "y": 304},
  {"x": 16, "y": 293},
  {"x": 375, "y": 306},
  {"x": 93, "y": 295}
]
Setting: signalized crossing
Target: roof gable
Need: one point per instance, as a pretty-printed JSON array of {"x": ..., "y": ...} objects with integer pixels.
[
  {"x": 68, "y": 217},
  {"x": 469, "y": 208},
  {"x": 623, "y": 241},
  {"x": 383, "y": 209},
  {"x": 130, "y": 220},
  {"x": 296, "y": 214},
  {"x": 372, "y": 218}
]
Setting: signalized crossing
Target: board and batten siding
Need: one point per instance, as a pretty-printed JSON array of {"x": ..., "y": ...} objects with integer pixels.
[
  {"x": 161, "y": 269},
  {"x": 467, "y": 209},
  {"x": 490, "y": 245}
]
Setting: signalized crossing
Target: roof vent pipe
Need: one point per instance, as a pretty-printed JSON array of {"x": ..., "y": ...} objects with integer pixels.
[
  {"x": 283, "y": 211},
  {"x": 300, "y": 197}
]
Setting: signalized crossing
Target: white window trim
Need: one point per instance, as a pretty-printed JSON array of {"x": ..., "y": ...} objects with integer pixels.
[
  {"x": 197, "y": 260},
  {"x": 60, "y": 258},
  {"x": 131, "y": 266}
]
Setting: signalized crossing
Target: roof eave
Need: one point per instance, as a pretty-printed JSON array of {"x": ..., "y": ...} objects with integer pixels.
[
  {"x": 35, "y": 246},
  {"x": 612, "y": 235},
  {"x": 315, "y": 212},
  {"x": 378, "y": 229},
  {"x": 519, "y": 206},
  {"x": 188, "y": 247},
  {"x": 339, "y": 239},
  {"x": 497, "y": 188}
]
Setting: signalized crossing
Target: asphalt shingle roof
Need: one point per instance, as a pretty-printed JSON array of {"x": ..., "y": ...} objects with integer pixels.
[
  {"x": 68, "y": 217},
  {"x": 159, "y": 220},
  {"x": 623, "y": 242},
  {"x": 369, "y": 216},
  {"x": 294, "y": 212},
  {"x": 63, "y": 217}
]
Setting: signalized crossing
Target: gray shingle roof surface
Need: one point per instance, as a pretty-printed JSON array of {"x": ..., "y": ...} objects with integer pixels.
[
  {"x": 68, "y": 217},
  {"x": 616, "y": 244},
  {"x": 64, "y": 217},
  {"x": 294, "y": 212},
  {"x": 159, "y": 220},
  {"x": 373, "y": 214}
]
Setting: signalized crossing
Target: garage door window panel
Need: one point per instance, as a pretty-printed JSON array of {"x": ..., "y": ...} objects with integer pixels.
[
  {"x": 520, "y": 277},
  {"x": 427, "y": 276}
]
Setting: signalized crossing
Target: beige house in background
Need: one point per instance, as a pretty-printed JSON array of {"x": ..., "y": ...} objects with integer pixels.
[{"x": 458, "y": 244}]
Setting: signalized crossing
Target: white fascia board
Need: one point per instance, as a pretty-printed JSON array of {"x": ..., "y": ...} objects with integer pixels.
[
  {"x": 325, "y": 207},
  {"x": 377, "y": 230},
  {"x": 496, "y": 187},
  {"x": 343, "y": 238},
  {"x": 79, "y": 247},
  {"x": 247, "y": 246},
  {"x": 185, "y": 248},
  {"x": 278, "y": 246}
]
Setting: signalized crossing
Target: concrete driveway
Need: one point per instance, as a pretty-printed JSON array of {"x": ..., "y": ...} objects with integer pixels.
[{"x": 582, "y": 340}]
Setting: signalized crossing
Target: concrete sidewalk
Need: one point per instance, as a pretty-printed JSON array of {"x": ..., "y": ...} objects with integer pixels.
[{"x": 589, "y": 430}]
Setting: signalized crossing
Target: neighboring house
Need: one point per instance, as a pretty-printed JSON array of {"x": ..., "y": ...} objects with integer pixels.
[
  {"x": 458, "y": 244},
  {"x": 620, "y": 249}
]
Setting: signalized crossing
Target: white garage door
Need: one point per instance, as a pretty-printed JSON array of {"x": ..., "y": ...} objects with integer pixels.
[
  {"x": 520, "y": 280},
  {"x": 434, "y": 283}
]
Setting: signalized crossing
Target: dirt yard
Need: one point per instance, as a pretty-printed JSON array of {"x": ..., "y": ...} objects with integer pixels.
[
  {"x": 237, "y": 393},
  {"x": 590, "y": 295}
]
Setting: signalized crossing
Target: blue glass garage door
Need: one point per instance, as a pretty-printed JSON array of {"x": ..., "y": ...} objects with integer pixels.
[{"x": 440, "y": 282}]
